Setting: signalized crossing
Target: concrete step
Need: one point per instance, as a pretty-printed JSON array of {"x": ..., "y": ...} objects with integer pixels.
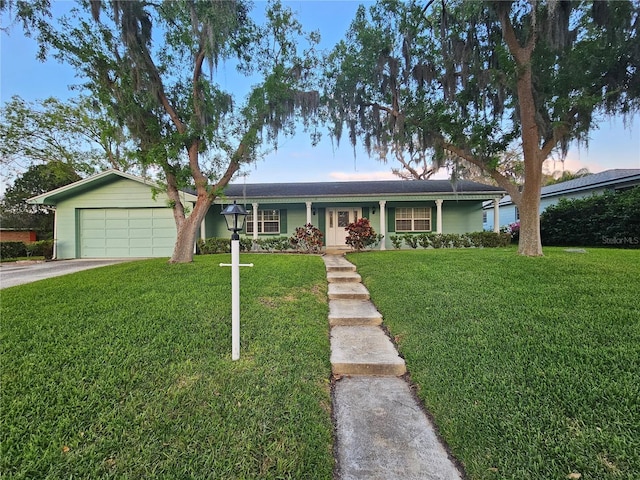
[
  {"x": 353, "y": 312},
  {"x": 343, "y": 277},
  {"x": 364, "y": 350},
  {"x": 353, "y": 291},
  {"x": 382, "y": 433},
  {"x": 337, "y": 263}
]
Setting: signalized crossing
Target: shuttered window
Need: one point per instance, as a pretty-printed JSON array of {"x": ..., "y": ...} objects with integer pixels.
[{"x": 413, "y": 219}]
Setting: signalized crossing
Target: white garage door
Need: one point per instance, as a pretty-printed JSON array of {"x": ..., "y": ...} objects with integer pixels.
[{"x": 126, "y": 232}]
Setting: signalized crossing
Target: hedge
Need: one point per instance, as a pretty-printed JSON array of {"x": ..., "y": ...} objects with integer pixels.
[
  {"x": 609, "y": 220},
  {"x": 452, "y": 240},
  {"x": 213, "y": 245},
  {"x": 43, "y": 248},
  {"x": 12, "y": 250}
]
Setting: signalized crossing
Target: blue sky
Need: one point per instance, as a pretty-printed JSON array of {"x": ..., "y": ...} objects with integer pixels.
[{"x": 611, "y": 146}]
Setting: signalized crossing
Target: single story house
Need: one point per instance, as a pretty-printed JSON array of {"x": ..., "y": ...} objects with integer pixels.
[
  {"x": 115, "y": 214},
  {"x": 594, "y": 184}
]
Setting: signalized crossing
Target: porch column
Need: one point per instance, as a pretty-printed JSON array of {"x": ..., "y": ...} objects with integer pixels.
[
  {"x": 308, "y": 212},
  {"x": 496, "y": 215},
  {"x": 439, "y": 215},
  {"x": 255, "y": 221},
  {"x": 383, "y": 223},
  {"x": 203, "y": 229}
]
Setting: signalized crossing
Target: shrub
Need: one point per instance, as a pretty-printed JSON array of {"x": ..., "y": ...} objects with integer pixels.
[
  {"x": 274, "y": 244},
  {"x": 43, "y": 248},
  {"x": 411, "y": 240},
  {"x": 12, "y": 250},
  {"x": 610, "y": 219},
  {"x": 424, "y": 239},
  {"x": 246, "y": 244},
  {"x": 307, "y": 239},
  {"x": 214, "y": 245},
  {"x": 513, "y": 229},
  {"x": 437, "y": 240},
  {"x": 361, "y": 234},
  {"x": 489, "y": 239},
  {"x": 396, "y": 241}
]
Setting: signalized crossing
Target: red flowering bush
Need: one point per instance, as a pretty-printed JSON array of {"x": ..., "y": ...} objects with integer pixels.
[
  {"x": 307, "y": 239},
  {"x": 361, "y": 234}
]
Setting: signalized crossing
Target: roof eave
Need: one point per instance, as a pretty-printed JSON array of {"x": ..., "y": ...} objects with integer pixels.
[{"x": 50, "y": 198}]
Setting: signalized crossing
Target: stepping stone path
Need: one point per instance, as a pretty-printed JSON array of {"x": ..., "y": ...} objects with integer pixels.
[{"x": 381, "y": 430}]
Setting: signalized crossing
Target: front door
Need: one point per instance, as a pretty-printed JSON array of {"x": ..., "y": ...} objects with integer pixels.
[{"x": 337, "y": 220}]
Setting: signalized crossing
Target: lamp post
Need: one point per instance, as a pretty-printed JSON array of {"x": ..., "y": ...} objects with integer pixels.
[{"x": 234, "y": 216}]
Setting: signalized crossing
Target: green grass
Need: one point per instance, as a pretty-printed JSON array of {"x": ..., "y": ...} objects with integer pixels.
[
  {"x": 125, "y": 372},
  {"x": 530, "y": 366}
]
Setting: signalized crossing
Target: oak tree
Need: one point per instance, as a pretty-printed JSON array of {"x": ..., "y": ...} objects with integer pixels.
[
  {"x": 75, "y": 132},
  {"x": 451, "y": 81},
  {"x": 152, "y": 66}
]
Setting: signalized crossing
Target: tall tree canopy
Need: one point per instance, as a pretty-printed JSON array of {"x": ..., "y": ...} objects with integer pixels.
[
  {"x": 152, "y": 67},
  {"x": 430, "y": 82},
  {"x": 75, "y": 132},
  {"x": 15, "y": 212}
]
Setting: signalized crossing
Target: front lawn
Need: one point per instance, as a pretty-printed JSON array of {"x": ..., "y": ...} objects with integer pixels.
[
  {"x": 125, "y": 372},
  {"x": 530, "y": 366}
]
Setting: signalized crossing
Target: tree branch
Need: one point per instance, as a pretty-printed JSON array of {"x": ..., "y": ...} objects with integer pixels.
[{"x": 502, "y": 180}]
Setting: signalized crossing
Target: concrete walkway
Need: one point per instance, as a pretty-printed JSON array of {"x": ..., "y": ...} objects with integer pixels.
[{"x": 381, "y": 430}]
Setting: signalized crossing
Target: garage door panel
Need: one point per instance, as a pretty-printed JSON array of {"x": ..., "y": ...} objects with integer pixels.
[
  {"x": 112, "y": 223},
  {"x": 117, "y": 233},
  {"x": 117, "y": 243},
  {"x": 164, "y": 222},
  {"x": 94, "y": 223},
  {"x": 163, "y": 233},
  {"x": 143, "y": 213},
  {"x": 137, "y": 232},
  {"x": 143, "y": 223}
]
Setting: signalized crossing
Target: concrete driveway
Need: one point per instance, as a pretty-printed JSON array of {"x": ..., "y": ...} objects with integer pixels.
[{"x": 12, "y": 274}]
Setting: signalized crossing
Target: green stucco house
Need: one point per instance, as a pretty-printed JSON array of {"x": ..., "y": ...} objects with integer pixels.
[{"x": 115, "y": 214}]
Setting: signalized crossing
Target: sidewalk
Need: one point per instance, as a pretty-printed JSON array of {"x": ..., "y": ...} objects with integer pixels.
[{"x": 381, "y": 430}]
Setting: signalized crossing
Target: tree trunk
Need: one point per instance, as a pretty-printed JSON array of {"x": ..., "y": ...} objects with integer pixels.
[
  {"x": 529, "y": 202},
  {"x": 187, "y": 229},
  {"x": 529, "y": 207}
]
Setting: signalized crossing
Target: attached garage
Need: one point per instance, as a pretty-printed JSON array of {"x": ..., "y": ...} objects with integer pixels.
[
  {"x": 112, "y": 215},
  {"x": 126, "y": 232}
]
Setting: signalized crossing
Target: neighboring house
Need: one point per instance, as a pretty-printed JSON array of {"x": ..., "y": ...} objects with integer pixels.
[
  {"x": 114, "y": 214},
  {"x": 17, "y": 235},
  {"x": 594, "y": 184}
]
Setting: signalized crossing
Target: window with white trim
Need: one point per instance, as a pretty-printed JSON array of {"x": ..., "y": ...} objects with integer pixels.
[
  {"x": 268, "y": 221},
  {"x": 413, "y": 219}
]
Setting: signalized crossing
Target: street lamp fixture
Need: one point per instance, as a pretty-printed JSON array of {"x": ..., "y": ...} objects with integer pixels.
[{"x": 234, "y": 216}]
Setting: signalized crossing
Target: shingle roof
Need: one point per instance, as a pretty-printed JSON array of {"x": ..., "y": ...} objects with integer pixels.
[
  {"x": 389, "y": 187},
  {"x": 593, "y": 181}
]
